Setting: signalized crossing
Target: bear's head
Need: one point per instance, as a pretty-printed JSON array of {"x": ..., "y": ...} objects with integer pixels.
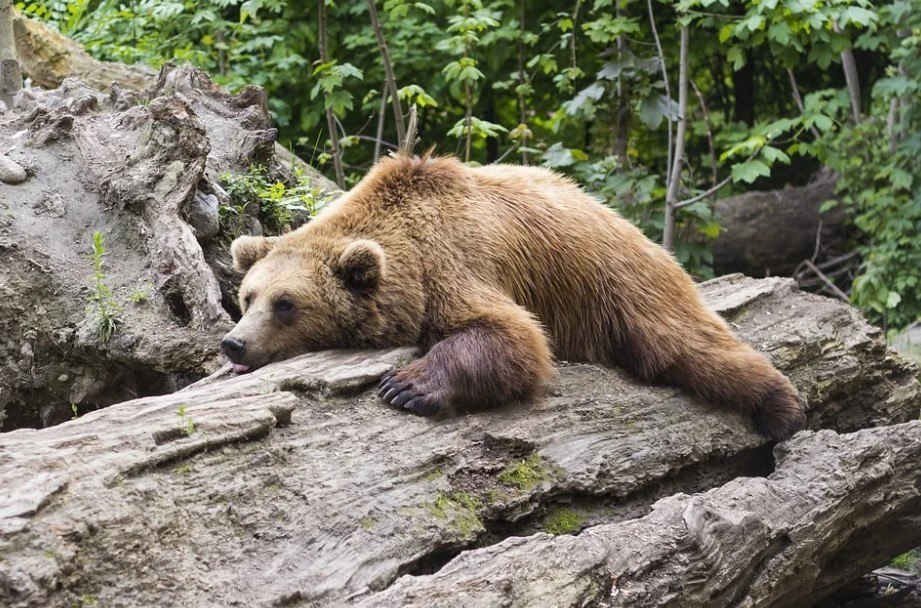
[{"x": 302, "y": 297}]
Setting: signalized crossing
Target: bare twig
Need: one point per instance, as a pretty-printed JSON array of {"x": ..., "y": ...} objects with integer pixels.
[
  {"x": 828, "y": 282},
  {"x": 818, "y": 243},
  {"x": 798, "y": 100},
  {"x": 388, "y": 70},
  {"x": 714, "y": 174},
  {"x": 383, "y": 143},
  {"x": 514, "y": 147},
  {"x": 708, "y": 192},
  {"x": 410, "y": 142},
  {"x": 330, "y": 117},
  {"x": 674, "y": 181}
]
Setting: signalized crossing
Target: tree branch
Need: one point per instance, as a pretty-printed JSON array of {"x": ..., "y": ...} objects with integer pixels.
[{"x": 388, "y": 70}]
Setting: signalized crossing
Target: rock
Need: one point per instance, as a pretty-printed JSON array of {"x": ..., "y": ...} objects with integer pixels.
[
  {"x": 10, "y": 171},
  {"x": 203, "y": 215}
]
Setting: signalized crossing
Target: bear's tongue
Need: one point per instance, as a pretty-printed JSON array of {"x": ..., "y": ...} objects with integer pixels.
[{"x": 240, "y": 368}]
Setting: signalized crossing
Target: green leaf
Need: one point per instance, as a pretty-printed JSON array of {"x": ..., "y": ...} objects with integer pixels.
[
  {"x": 857, "y": 16},
  {"x": 584, "y": 98},
  {"x": 654, "y": 109},
  {"x": 780, "y": 32},
  {"x": 893, "y": 300},
  {"x": 749, "y": 171},
  {"x": 772, "y": 155},
  {"x": 828, "y": 205},
  {"x": 737, "y": 57}
]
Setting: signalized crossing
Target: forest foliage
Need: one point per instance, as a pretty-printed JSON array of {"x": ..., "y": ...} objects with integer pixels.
[{"x": 775, "y": 89}]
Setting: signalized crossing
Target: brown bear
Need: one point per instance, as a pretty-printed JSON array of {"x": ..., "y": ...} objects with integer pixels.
[{"x": 490, "y": 270}]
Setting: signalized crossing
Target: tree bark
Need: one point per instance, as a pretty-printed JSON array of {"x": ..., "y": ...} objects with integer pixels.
[{"x": 294, "y": 486}]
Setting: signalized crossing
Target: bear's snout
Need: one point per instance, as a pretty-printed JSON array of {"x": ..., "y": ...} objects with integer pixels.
[{"x": 234, "y": 348}]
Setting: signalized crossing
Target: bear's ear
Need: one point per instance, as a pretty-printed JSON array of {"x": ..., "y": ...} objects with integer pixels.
[
  {"x": 247, "y": 250},
  {"x": 361, "y": 265}
]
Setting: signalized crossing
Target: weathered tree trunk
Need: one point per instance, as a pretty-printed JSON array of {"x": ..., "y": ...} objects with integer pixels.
[
  {"x": 48, "y": 58},
  {"x": 770, "y": 233},
  {"x": 143, "y": 168},
  {"x": 292, "y": 486}
]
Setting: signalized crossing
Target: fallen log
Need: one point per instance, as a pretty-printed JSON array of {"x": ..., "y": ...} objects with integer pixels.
[
  {"x": 293, "y": 485},
  {"x": 770, "y": 233},
  {"x": 835, "y": 506}
]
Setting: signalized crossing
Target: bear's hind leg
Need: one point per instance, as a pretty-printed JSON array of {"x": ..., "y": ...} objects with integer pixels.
[{"x": 492, "y": 355}]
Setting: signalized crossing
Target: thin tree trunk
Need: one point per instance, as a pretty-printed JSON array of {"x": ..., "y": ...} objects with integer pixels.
[
  {"x": 853, "y": 82},
  {"x": 468, "y": 99},
  {"x": 852, "y": 79},
  {"x": 575, "y": 21},
  {"x": 380, "y": 124},
  {"x": 330, "y": 118},
  {"x": 668, "y": 91},
  {"x": 468, "y": 119},
  {"x": 798, "y": 99},
  {"x": 622, "y": 108},
  {"x": 388, "y": 70},
  {"x": 671, "y": 198},
  {"x": 522, "y": 108}
]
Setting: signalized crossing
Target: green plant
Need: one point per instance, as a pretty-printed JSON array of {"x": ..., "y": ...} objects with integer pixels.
[
  {"x": 276, "y": 204},
  {"x": 102, "y": 301},
  {"x": 562, "y": 521},
  {"x": 526, "y": 473},
  {"x": 186, "y": 424},
  {"x": 879, "y": 185},
  {"x": 460, "y": 509},
  {"x": 907, "y": 561},
  {"x": 73, "y": 408},
  {"x": 140, "y": 295}
]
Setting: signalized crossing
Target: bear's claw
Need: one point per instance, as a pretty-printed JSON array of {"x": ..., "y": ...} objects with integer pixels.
[{"x": 405, "y": 394}]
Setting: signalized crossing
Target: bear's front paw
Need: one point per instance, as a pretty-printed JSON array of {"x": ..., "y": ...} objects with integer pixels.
[{"x": 407, "y": 388}]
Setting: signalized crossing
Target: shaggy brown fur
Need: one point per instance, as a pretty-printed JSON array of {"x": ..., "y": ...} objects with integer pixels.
[{"x": 490, "y": 270}]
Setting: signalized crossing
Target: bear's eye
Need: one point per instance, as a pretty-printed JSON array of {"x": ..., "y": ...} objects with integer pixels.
[
  {"x": 283, "y": 306},
  {"x": 248, "y": 300}
]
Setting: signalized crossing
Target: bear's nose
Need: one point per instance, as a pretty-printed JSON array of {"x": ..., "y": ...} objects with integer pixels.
[{"x": 233, "y": 348}]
